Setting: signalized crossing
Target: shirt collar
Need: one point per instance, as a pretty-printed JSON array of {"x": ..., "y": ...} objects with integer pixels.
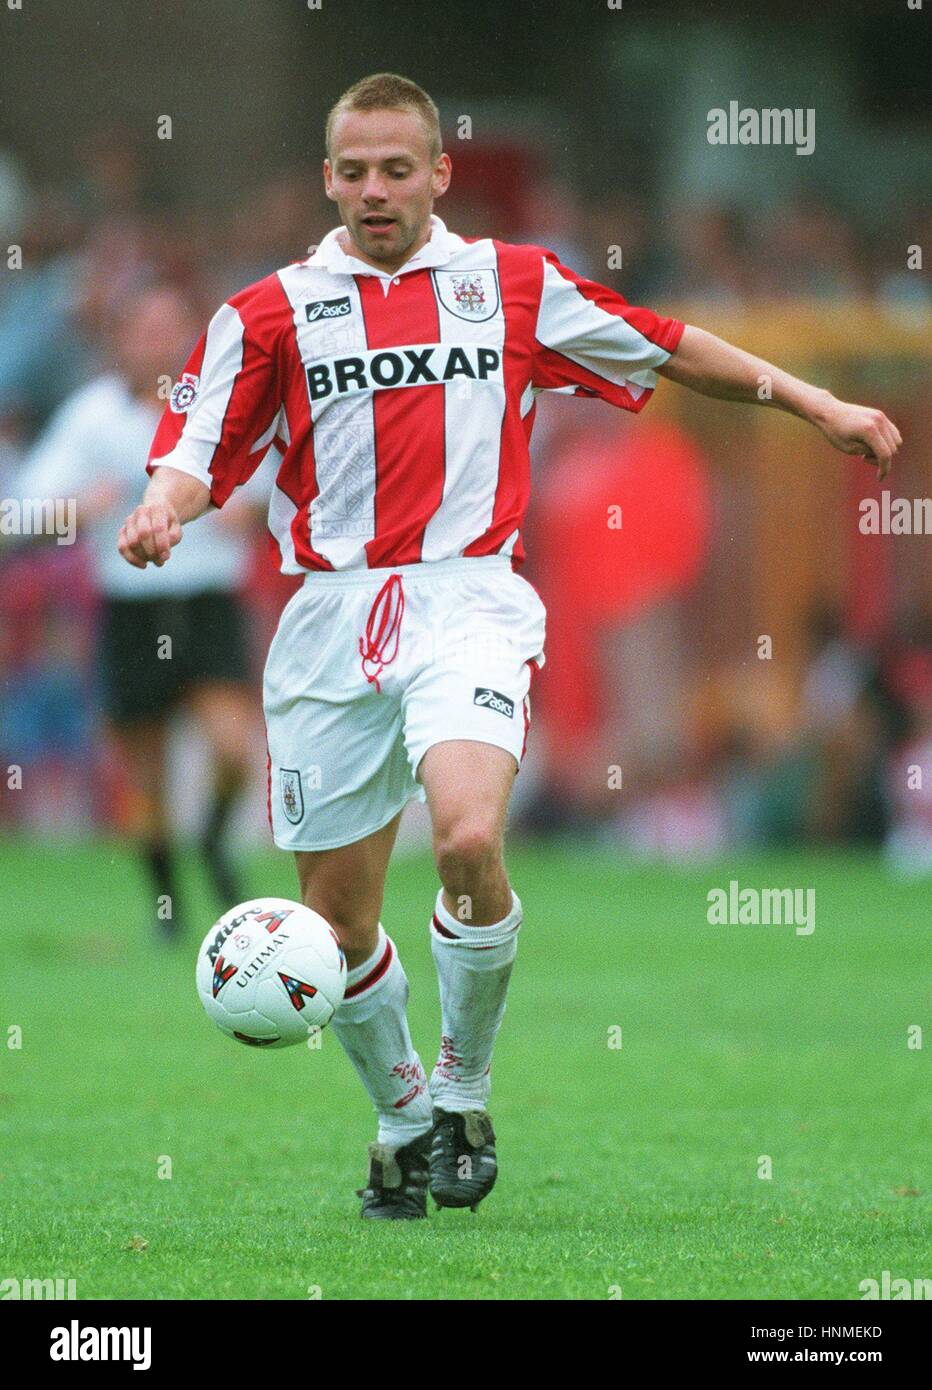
[{"x": 331, "y": 256}]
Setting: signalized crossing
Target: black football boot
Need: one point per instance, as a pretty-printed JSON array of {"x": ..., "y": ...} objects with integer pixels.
[
  {"x": 397, "y": 1189},
  {"x": 463, "y": 1167}
]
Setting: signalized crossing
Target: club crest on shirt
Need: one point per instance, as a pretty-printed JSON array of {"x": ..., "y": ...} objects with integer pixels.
[
  {"x": 184, "y": 393},
  {"x": 292, "y": 794},
  {"x": 469, "y": 294}
]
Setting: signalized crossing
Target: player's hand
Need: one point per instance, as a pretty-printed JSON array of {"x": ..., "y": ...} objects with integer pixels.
[
  {"x": 858, "y": 429},
  {"x": 148, "y": 534}
]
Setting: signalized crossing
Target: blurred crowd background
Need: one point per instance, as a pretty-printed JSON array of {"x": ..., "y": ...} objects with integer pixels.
[{"x": 738, "y": 663}]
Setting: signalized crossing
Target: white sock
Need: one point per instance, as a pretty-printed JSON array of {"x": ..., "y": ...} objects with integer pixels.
[
  {"x": 473, "y": 966},
  {"x": 372, "y": 1026}
]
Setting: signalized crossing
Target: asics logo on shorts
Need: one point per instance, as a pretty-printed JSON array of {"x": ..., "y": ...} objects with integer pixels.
[
  {"x": 377, "y": 370},
  {"x": 493, "y": 700}
]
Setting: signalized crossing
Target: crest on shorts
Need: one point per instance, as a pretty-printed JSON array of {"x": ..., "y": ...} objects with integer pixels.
[
  {"x": 292, "y": 794},
  {"x": 469, "y": 294},
  {"x": 184, "y": 393}
]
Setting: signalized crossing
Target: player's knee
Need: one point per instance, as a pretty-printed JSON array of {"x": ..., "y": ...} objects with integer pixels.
[
  {"x": 233, "y": 757},
  {"x": 359, "y": 937},
  {"x": 228, "y": 738},
  {"x": 466, "y": 849},
  {"x": 355, "y": 923}
]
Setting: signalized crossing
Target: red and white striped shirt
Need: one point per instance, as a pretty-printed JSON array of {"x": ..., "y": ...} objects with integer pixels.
[{"x": 400, "y": 406}]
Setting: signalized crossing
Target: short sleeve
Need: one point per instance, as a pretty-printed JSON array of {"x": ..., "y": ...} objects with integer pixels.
[
  {"x": 219, "y": 420},
  {"x": 592, "y": 342}
]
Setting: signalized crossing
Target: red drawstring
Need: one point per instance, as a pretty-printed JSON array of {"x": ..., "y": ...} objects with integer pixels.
[{"x": 382, "y": 624}]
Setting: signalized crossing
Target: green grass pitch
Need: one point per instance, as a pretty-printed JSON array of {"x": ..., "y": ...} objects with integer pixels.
[{"x": 630, "y": 1170}]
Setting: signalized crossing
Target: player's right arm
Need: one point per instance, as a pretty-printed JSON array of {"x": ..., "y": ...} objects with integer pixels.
[
  {"x": 215, "y": 430},
  {"x": 154, "y": 527}
]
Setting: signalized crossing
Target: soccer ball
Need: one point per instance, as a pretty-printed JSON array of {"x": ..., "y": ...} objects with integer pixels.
[{"x": 269, "y": 971}]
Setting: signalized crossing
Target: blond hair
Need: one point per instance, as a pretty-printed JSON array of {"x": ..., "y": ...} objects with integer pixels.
[{"x": 386, "y": 91}]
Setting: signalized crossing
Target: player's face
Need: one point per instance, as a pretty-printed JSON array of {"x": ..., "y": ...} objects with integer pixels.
[{"x": 384, "y": 182}]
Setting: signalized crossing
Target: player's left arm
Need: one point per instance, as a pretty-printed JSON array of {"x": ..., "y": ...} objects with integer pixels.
[{"x": 713, "y": 367}]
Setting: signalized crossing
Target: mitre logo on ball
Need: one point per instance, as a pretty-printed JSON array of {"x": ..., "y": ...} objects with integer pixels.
[{"x": 270, "y": 986}]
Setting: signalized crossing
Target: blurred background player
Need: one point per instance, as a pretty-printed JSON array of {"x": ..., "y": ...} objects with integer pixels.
[{"x": 177, "y": 634}]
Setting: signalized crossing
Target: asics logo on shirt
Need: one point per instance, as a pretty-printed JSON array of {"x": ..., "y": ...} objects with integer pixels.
[
  {"x": 328, "y": 309},
  {"x": 409, "y": 366}
]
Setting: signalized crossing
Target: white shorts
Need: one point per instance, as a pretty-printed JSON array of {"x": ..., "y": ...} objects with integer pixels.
[{"x": 370, "y": 668}]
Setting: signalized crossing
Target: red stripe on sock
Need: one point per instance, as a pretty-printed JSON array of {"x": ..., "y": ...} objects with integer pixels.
[
  {"x": 368, "y": 980},
  {"x": 442, "y": 930}
]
